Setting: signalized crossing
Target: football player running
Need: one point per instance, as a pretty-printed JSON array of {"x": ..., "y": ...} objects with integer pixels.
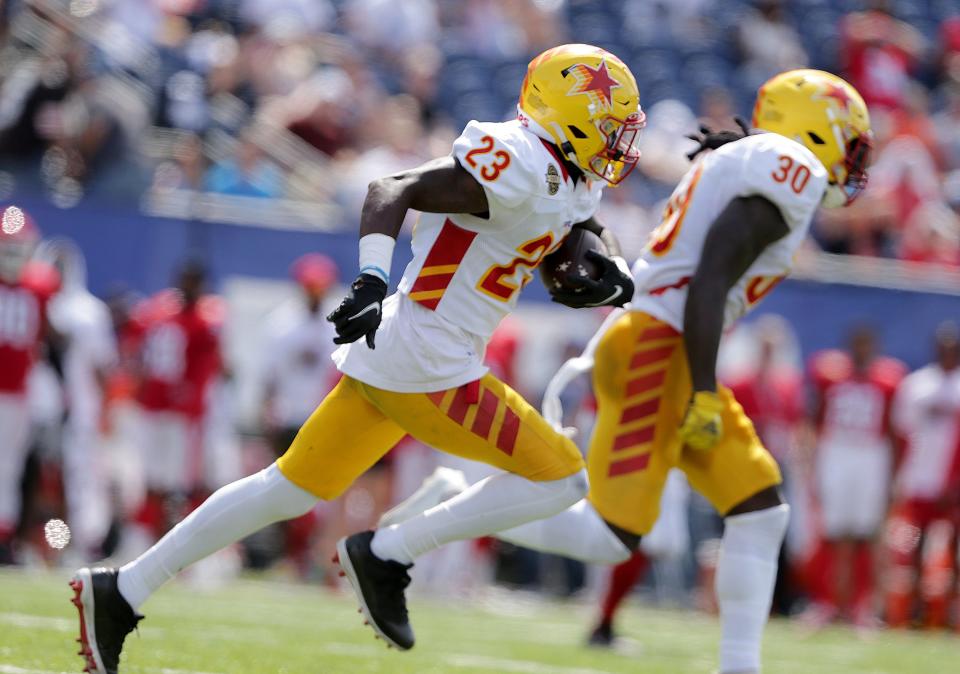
[
  {"x": 412, "y": 362},
  {"x": 728, "y": 236}
]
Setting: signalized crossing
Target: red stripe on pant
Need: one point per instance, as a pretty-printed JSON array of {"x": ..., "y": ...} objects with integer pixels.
[
  {"x": 485, "y": 413},
  {"x": 507, "y": 438},
  {"x": 650, "y": 357},
  {"x": 662, "y": 331},
  {"x": 640, "y": 411},
  {"x": 645, "y": 383},
  {"x": 631, "y": 465},
  {"x": 633, "y": 439}
]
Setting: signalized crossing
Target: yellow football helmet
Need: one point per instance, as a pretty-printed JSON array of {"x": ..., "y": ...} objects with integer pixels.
[
  {"x": 587, "y": 100},
  {"x": 825, "y": 114}
]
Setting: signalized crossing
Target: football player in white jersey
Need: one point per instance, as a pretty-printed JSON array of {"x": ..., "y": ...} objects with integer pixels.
[
  {"x": 729, "y": 234},
  {"x": 507, "y": 195}
]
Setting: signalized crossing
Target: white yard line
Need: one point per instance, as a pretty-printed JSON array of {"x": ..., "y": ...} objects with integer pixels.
[
  {"x": 12, "y": 669},
  {"x": 37, "y": 622},
  {"x": 511, "y": 665}
]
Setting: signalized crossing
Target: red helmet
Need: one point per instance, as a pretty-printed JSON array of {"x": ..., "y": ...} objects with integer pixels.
[
  {"x": 18, "y": 238},
  {"x": 315, "y": 272}
]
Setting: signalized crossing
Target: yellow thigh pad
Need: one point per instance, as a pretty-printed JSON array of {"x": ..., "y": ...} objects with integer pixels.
[{"x": 642, "y": 384}]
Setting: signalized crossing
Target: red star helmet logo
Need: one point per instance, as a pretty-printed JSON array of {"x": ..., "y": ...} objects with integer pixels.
[
  {"x": 593, "y": 80},
  {"x": 837, "y": 93}
]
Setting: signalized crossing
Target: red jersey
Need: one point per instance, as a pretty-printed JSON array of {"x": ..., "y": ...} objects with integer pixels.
[
  {"x": 855, "y": 407},
  {"x": 23, "y": 307},
  {"x": 180, "y": 352},
  {"x": 774, "y": 403}
]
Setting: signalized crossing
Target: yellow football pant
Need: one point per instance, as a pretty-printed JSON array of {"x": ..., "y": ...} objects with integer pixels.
[
  {"x": 642, "y": 383},
  {"x": 486, "y": 421}
]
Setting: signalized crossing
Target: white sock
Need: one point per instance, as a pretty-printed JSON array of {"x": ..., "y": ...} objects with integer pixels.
[
  {"x": 231, "y": 513},
  {"x": 499, "y": 502},
  {"x": 746, "y": 574},
  {"x": 578, "y": 532}
]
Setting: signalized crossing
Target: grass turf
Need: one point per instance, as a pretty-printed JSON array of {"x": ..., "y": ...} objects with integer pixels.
[{"x": 255, "y": 627}]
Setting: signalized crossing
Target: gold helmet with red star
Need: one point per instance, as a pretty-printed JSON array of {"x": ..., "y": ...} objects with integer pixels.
[
  {"x": 587, "y": 100},
  {"x": 825, "y": 114}
]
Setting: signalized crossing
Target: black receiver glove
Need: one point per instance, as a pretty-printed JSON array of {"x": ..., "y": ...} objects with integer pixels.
[
  {"x": 711, "y": 140},
  {"x": 614, "y": 287},
  {"x": 360, "y": 311}
]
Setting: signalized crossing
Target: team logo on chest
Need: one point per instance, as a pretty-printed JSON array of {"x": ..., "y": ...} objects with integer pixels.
[{"x": 553, "y": 179}]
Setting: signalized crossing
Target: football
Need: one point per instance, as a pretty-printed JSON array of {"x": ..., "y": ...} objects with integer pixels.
[{"x": 570, "y": 259}]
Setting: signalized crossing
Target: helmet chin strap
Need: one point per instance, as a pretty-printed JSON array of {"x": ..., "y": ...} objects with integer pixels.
[{"x": 567, "y": 147}]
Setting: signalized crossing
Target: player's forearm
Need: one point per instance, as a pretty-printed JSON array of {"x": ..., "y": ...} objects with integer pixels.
[
  {"x": 702, "y": 329},
  {"x": 606, "y": 235}
]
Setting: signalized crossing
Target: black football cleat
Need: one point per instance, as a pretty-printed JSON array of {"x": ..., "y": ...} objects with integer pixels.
[
  {"x": 379, "y": 585},
  {"x": 105, "y": 619},
  {"x": 602, "y": 636}
]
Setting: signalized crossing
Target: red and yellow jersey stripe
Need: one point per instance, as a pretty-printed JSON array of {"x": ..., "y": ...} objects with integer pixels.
[{"x": 441, "y": 264}]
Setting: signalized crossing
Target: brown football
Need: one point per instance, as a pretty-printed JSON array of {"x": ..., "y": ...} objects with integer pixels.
[{"x": 570, "y": 259}]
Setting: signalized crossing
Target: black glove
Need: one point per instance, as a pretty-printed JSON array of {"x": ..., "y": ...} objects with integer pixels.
[
  {"x": 614, "y": 288},
  {"x": 359, "y": 313},
  {"x": 711, "y": 140}
]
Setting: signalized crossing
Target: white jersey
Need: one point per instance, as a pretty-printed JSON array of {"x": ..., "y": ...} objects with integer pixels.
[
  {"x": 91, "y": 350},
  {"x": 926, "y": 411},
  {"x": 297, "y": 361},
  {"x": 467, "y": 271},
  {"x": 767, "y": 165}
]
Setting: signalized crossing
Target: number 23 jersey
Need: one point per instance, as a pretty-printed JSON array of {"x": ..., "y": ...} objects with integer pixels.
[
  {"x": 767, "y": 165},
  {"x": 468, "y": 270}
]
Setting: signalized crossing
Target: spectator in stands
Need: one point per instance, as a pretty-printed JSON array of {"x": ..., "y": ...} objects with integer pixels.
[
  {"x": 852, "y": 391},
  {"x": 946, "y": 124},
  {"x": 768, "y": 43},
  {"x": 878, "y": 53},
  {"x": 926, "y": 413},
  {"x": 186, "y": 167},
  {"x": 717, "y": 109},
  {"x": 248, "y": 173}
]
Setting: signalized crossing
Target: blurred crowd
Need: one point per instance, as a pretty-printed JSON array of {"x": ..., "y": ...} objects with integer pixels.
[{"x": 310, "y": 99}]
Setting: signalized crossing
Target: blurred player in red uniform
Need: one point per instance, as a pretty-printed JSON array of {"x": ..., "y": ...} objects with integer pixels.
[
  {"x": 923, "y": 529},
  {"x": 25, "y": 289},
  {"x": 179, "y": 357},
  {"x": 852, "y": 395}
]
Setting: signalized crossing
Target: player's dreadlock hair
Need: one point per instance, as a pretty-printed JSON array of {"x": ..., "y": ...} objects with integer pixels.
[{"x": 711, "y": 140}]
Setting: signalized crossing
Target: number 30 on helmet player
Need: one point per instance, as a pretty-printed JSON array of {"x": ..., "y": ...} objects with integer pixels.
[
  {"x": 827, "y": 115},
  {"x": 587, "y": 100}
]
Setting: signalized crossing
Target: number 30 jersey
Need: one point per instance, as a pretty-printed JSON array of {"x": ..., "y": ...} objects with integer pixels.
[
  {"x": 767, "y": 165},
  {"x": 468, "y": 270}
]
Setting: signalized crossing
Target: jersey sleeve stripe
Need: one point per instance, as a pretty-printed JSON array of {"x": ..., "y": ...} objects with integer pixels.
[
  {"x": 441, "y": 264},
  {"x": 438, "y": 269}
]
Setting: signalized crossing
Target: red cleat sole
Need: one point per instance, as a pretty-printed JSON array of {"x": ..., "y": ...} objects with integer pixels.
[{"x": 90, "y": 665}]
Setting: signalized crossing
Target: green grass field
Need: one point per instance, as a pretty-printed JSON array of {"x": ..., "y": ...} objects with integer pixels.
[{"x": 262, "y": 627}]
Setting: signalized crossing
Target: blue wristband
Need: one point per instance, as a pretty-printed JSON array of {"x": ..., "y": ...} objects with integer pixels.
[{"x": 378, "y": 271}]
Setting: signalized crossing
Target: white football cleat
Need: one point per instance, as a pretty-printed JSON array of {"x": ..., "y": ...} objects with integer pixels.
[{"x": 442, "y": 484}]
